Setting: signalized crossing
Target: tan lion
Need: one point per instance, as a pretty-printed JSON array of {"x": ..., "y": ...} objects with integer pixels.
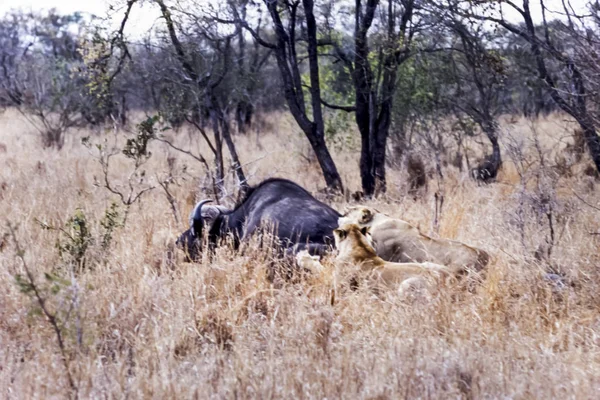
[
  {"x": 354, "y": 250},
  {"x": 398, "y": 241}
]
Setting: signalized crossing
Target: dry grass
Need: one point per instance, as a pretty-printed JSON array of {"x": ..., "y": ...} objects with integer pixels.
[{"x": 145, "y": 324}]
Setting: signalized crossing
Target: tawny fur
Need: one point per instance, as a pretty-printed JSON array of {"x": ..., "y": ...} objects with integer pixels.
[
  {"x": 398, "y": 241},
  {"x": 355, "y": 251}
]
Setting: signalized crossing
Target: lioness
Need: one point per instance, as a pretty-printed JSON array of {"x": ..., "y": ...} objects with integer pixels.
[
  {"x": 354, "y": 250},
  {"x": 398, "y": 241}
]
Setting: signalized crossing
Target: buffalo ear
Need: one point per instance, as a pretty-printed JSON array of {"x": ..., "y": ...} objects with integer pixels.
[
  {"x": 365, "y": 230},
  {"x": 340, "y": 233}
]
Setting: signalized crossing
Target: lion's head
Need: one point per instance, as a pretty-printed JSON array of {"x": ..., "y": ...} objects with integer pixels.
[
  {"x": 359, "y": 215},
  {"x": 350, "y": 238}
]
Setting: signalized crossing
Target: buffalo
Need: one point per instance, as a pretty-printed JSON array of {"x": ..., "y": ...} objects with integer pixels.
[{"x": 296, "y": 219}]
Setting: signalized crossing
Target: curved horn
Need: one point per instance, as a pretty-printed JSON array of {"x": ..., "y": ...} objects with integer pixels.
[{"x": 196, "y": 217}]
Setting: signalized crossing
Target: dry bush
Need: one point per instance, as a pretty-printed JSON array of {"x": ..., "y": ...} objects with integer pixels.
[{"x": 152, "y": 325}]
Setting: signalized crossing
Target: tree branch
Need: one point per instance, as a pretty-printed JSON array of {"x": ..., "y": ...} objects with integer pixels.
[
  {"x": 336, "y": 107},
  {"x": 585, "y": 202},
  {"x": 247, "y": 27}
]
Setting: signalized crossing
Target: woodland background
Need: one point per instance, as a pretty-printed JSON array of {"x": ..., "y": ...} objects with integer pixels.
[{"x": 448, "y": 114}]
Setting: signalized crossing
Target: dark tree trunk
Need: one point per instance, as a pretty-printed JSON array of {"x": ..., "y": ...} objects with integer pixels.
[
  {"x": 366, "y": 164},
  {"x": 540, "y": 105},
  {"x": 53, "y": 138},
  {"x": 392, "y": 59},
  {"x": 243, "y": 116},
  {"x": 374, "y": 101},
  {"x": 379, "y": 151},
  {"x": 591, "y": 139},
  {"x": 244, "y": 109},
  {"x": 365, "y": 97},
  {"x": 123, "y": 110},
  {"x": 315, "y": 138},
  {"x": 496, "y": 158},
  {"x": 317, "y": 142},
  {"x": 384, "y": 120},
  {"x": 487, "y": 170},
  {"x": 290, "y": 73}
]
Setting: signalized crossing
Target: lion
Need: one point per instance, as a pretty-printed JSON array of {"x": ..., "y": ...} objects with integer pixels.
[
  {"x": 398, "y": 241},
  {"x": 355, "y": 250}
]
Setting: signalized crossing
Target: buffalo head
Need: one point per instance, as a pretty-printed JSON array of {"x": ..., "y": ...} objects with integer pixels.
[
  {"x": 191, "y": 240},
  {"x": 202, "y": 218}
]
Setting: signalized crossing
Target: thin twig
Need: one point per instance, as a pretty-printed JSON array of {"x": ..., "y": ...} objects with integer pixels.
[
  {"x": 165, "y": 185},
  {"x": 203, "y": 133},
  {"x": 198, "y": 158},
  {"x": 585, "y": 202},
  {"x": 42, "y": 303}
]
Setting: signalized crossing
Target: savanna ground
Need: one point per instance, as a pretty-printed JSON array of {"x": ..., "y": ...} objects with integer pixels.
[{"x": 137, "y": 321}]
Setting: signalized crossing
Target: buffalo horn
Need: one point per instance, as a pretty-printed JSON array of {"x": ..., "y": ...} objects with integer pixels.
[{"x": 196, "y": 219}]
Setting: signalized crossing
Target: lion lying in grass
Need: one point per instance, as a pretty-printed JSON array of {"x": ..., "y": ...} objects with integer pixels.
[
  {"x": 354, "y": 250},
  {"x": 398, "y": 241}
]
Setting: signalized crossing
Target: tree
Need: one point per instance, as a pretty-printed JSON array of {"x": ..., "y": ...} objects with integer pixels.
[
  {"x": 207, "y": 85},
  {"x": 570, "y": 93},
  {"x": 374, "y": 94},
  {"x": 374, "y": 77},
  {"x": 38, "y": 60},
  {"x": 12, "y": 50},
  {"x": 298, "y": 20},
  {"x": 249, "y": 63},
  {"x": 479, "y": 74}
]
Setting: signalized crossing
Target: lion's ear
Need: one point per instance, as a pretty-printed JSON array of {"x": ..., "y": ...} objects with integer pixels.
[
  {"x": 367, "y": 216},
  {"x": 340, "y": 233},
  {"x": 365, "y": 230}
]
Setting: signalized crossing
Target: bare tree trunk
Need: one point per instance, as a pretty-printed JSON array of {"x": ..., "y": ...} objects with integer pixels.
[
  {"x": 237, "y": 166},
  {"x": 243, "y": 115},
  {"x": 290, "y": 73},
  {"x": 317, "y": 139},
  {"x": 363, "y": 85},
  {"x": 220, "y": 126},
  {"x": 591, "y": 137},
  {"x": 219, "y": 168},
  {"x": 496, "y": 157},
  {"x": 488, "y": 169},
  {"x": 123, "y": 110},
  {"x": 243, "y": 111},
  {"x": 384, "y": 120},
  {"x": 374, "y": 101}
]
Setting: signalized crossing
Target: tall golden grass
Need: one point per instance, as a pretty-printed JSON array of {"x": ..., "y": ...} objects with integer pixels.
[{"x": 139, "y": 322}]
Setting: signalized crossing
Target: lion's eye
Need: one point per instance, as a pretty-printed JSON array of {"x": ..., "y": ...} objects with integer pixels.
[{"x": 341, "y": 234}]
